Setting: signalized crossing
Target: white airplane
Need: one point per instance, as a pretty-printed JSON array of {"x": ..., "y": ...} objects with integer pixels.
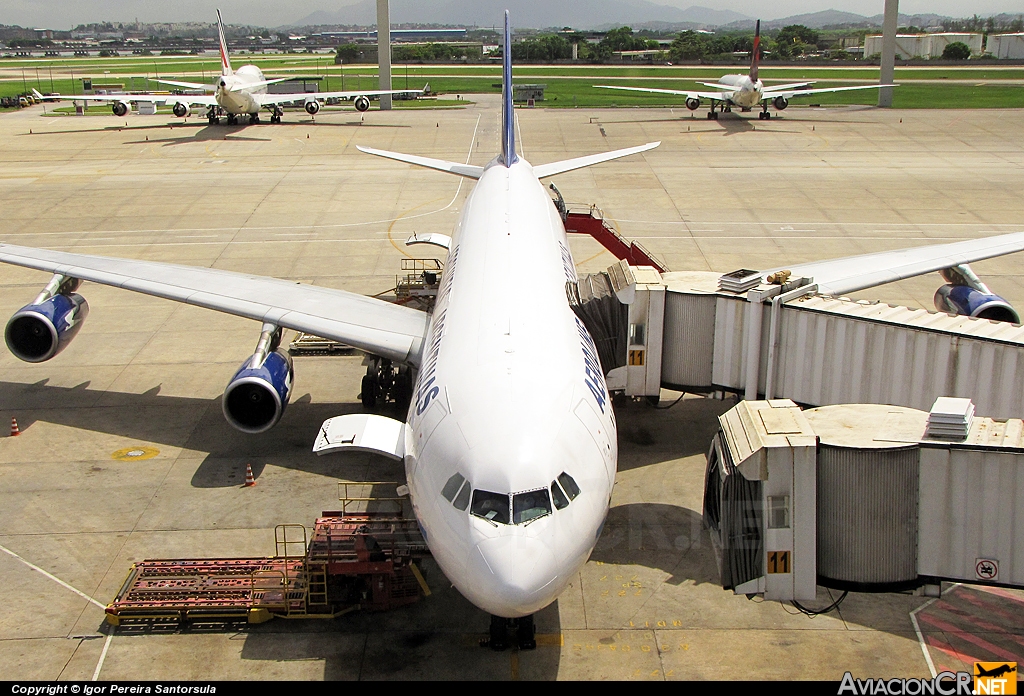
[
  {"x": 746, "y": 91},
  {"x": 236, "y": 93},
  {"x": 509, "y": 443}
]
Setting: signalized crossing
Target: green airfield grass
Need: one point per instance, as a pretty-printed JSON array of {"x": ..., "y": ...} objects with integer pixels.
[
  {"x": 567, "y": 85},
  {"x": 169, "y": 65}
]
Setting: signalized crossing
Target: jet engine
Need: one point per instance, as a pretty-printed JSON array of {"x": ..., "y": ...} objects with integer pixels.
[
  {"x": 692, "y": 103},
  {"x": 361, "y": 103},
  {"x": 182, "y": 110},
  {"x": 780, "y": 103},
  {"x": 41, "y": 330},
  {"x": 121, "y": 108},
  {"x": 967, "y": 296},
  {"x": 312, "y": 107},
  {"x": 257, "y": 395}
]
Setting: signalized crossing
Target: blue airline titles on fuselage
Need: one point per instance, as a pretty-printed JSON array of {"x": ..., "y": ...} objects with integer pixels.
[
  {"x": 594, "y": 377},
  {"x": 426, "y": 390}
]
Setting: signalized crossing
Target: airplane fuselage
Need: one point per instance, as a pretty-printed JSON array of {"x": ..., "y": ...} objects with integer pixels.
[
  {"x": 232, "y": 94},
  {"x": 748, "y": 93},
  {"x": 510, "y": 396}
]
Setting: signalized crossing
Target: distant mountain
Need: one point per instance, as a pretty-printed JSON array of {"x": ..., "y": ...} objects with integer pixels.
[
  {"x": 534, "y": 14},
  {"x": 838, "y": 18}
]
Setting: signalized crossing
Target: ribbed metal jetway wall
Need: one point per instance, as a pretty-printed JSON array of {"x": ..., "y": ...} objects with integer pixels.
[{"x": 832, "y": 351}]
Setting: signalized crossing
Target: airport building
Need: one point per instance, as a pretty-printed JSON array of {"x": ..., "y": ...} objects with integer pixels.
[
  {"x": 924, "y": 45},
  {"x": 1006, "y": 46}
]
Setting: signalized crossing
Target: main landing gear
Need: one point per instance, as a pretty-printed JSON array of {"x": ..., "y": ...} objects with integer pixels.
[
  {"x": 276, "y": 114},
  {"x": 504, "y": 631},
  {"x": 384, "y": 382},
  {"x": 254, "y": 118}
]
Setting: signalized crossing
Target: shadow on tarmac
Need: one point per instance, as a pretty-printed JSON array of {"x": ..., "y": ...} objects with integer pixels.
[
  {"x": 436, "y": 638},
  {"x": 196, "y": 424}
]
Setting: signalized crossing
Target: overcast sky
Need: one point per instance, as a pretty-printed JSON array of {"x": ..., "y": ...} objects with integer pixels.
[{"x": 63, "y": 14}]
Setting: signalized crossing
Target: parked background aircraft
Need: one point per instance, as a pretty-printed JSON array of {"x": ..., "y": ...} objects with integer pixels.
[
  {"x": 236, "y": 93},
  {"x": 745, "y": 91},
  {"x": 509, "y": 441}
]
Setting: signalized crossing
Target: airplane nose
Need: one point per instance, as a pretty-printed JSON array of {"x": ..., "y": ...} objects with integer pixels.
[{"x": 520, "y": 568}]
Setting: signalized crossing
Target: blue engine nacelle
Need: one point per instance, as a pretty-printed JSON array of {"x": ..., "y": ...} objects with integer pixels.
[
  {"x": 257, "y": 395},
  {"x": 970, "y": 302},
  {"x": 37, "y": 332}
]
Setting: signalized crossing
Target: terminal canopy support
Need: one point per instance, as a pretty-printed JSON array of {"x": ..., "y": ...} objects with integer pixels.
[
  {"x": 888, "y": 71},
  {"x": 384, "y": 51}
]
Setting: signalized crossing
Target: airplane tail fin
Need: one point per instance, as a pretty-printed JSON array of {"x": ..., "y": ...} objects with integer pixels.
[
  {"x": 508, "y": 115},
  {"x": 755, "y": 55},
  {"x": 225, "y": 61}
]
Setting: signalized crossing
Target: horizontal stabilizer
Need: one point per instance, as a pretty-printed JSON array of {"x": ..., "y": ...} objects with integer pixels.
[
  {"x": 466, "y": 170},
  {"x": 716, "y": 85},
  {"x": 242, "y": 86},
  {"x": 186, "y": 85},
  {"x": 543, "y": 170}
]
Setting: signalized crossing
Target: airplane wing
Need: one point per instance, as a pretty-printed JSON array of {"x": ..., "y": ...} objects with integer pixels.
[
  {"x": 154, "y": 98},
  {"x": 677, "y": 92},
  {"x": 841, "y": 276},
  {"x": 158, "y": 99},
  {"x": 268, "y": 99},
  {"x": 373, "y": 325},
  {"x": 772, "y": 92}
]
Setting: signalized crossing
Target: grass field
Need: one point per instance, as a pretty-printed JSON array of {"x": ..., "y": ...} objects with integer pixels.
[{"x": 567, "y": 85}]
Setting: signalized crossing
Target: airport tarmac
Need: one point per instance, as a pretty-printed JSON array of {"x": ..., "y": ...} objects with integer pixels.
[{"x": 297, "y": 201}]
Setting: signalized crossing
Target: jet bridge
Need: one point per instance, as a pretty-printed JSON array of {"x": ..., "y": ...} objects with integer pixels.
[
  {"x": 863, "y": 497},
  {"x": 704, "y": 333}
]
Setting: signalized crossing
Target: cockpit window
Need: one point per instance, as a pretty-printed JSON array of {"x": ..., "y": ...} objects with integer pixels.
[
  {"x": 530, "y": 505},
  {"x": 452, "y": 487},
  {"x": 571, "y": 489},
  {"x": 490, "y": 506},
  {"x": 461, "y": 501},
  {"x": 561, "y": 502}
]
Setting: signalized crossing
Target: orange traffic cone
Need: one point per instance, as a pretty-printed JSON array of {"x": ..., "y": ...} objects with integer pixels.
[
  {"x": 249, "y": 479},
  {"x": 14, "y": 428}
]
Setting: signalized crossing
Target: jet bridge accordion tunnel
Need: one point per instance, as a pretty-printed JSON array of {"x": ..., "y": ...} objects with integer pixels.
[{"x": 863, "y": 497}]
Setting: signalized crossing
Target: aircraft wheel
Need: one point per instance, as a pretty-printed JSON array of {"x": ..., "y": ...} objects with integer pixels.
[
  {"x": 254, "y": 118},
  {"x": 369, "y": 392},
  {"x": 712, "y": 115}
]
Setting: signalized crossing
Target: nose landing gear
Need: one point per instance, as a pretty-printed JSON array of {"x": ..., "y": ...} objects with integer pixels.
[{"x": 503, "y": 631}]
